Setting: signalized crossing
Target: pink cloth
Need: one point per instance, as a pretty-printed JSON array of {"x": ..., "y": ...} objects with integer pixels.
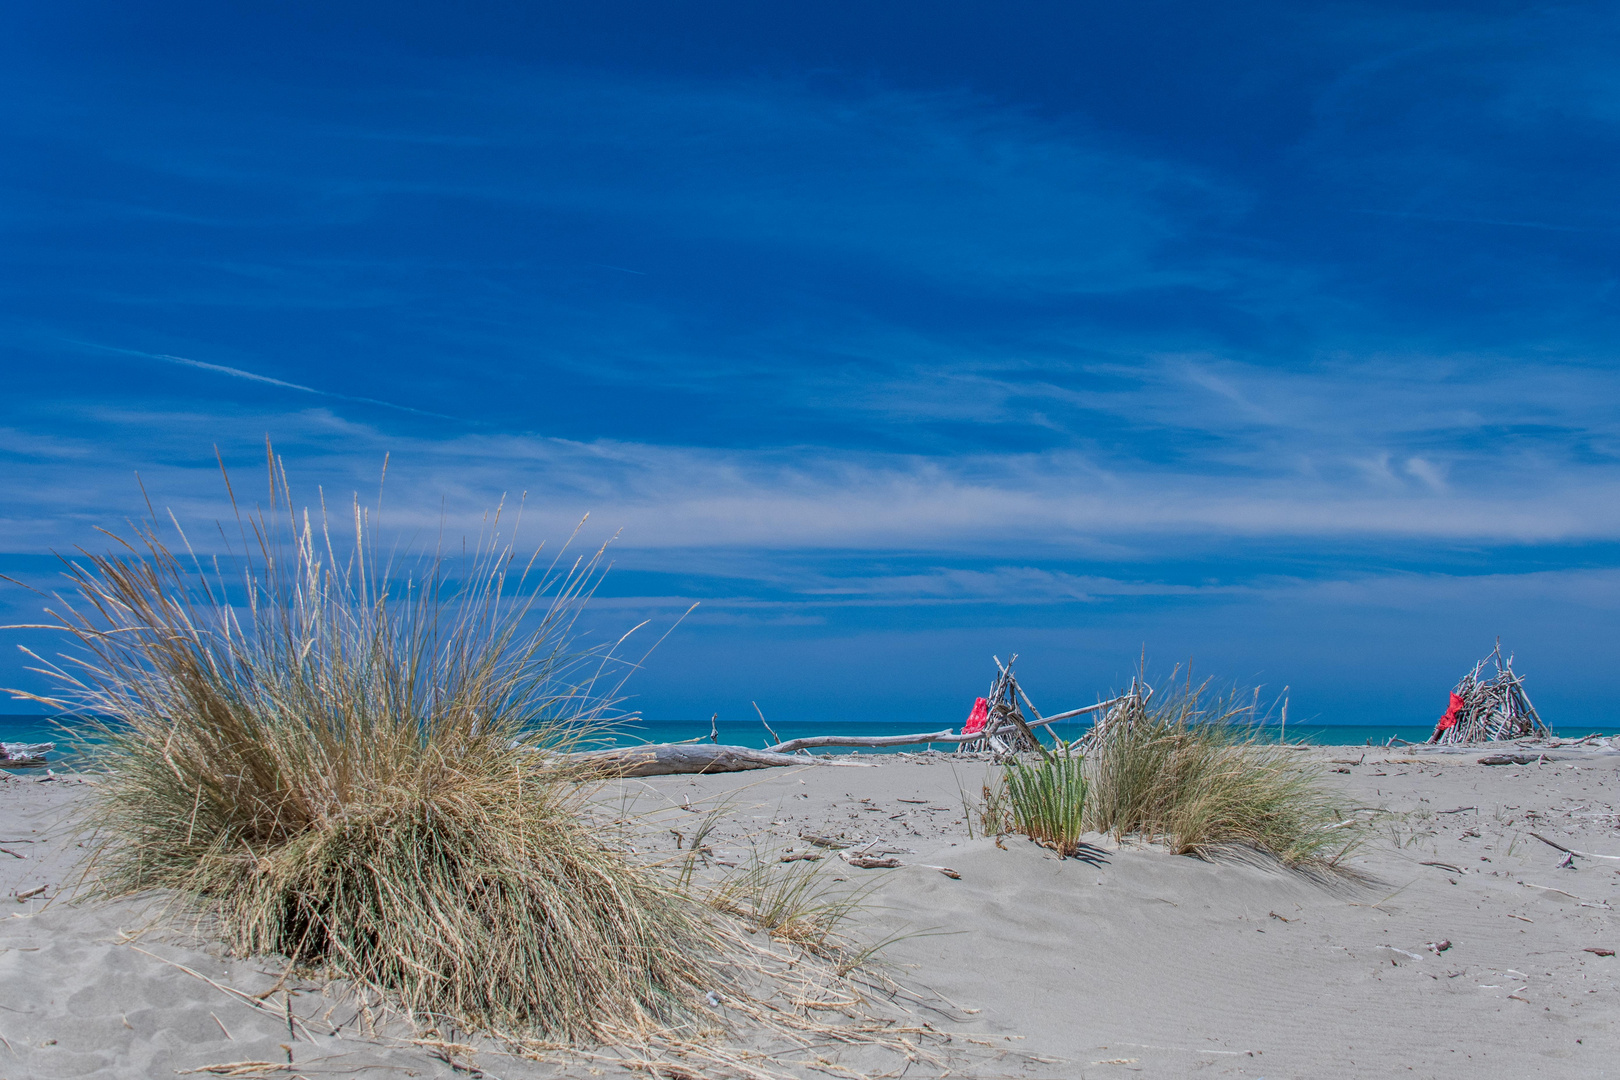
[
  {"x": 977, "y": 718},
  {"x": 1450, "y": 719}
]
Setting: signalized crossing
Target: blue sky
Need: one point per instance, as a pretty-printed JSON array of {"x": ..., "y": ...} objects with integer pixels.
[{"x": 1277, "y": 337}]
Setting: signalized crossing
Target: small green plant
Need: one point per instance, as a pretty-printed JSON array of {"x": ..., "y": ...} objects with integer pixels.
[
  {"x": 1048, "y": 800},
  {"x": 989, "y": 814}
]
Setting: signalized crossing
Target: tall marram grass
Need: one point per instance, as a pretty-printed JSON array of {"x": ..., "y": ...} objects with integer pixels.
[
  {"x": 356, "y": 767},
  {"x": 1188, "y": 770}
]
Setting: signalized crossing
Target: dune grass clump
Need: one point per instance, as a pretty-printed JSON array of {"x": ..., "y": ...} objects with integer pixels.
[
  {"x": 1047, "y": 800},
  {"x": 1189, "y": 771},
  {"x": 356, "y": 767},
  {"x": 791, "y": 902}
]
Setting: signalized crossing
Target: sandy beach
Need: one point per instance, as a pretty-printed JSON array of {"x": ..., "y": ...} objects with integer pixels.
[{"x": 1126, "y": 961}]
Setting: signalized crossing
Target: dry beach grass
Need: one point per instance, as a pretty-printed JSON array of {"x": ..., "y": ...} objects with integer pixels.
[
  {"x": 1187, "y": 770},
  {"x": 360, "y": 774}
]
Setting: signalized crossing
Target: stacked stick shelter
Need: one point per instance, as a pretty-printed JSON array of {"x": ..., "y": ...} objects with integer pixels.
[
  {"x": 1488, "y": 708},
  {"x": 1006, "y": 732},
  {"x": 1121, "y": 715}
]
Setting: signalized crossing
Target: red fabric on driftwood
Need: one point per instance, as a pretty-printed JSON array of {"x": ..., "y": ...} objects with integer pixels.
[
  {"x": 1453, "y": 714},
  {"x": 978, "y": 717}
]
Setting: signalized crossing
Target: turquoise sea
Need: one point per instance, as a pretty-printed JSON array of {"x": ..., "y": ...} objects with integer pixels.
[{"x": 19, "y": 728}]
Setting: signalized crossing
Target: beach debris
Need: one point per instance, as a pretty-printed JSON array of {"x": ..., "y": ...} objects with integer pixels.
[
  {"x": 1437, "y": 947},
  {"x": 1572, "y": 851},
  {"x": 443, "y": 1053},
  {"x": 1568, "y": 862},
  {"x": 947, "y": 871},
  {"x": 666, "y": 759},
  {"x": 1403, "y": 952},
  {"x": 1489, "y": 708},
  {"x": 800, "y": 856},
  {"x": 1596, "y": 951},
  {"x": 24, "y": 755},
  {"x": 824, "y": 841},
  {"x": 1510, "y": 759},
  {"x": 24, "y": 897},
  {"x": 238, "y": 1068},
  {"x": 872, "y": 862},
  {"x": 1273, "y": 914},
  {"x": 1444, "y": 866}
]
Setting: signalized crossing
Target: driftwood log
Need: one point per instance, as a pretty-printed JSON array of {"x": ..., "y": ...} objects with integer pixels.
[
  {"x": 17, "y": 755},
  {"x": 665, "y": 759},
  {"x": 946, "y": 736}
]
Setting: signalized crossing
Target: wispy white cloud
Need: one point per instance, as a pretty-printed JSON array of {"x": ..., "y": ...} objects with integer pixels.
[{"x": 664, "y": 497}]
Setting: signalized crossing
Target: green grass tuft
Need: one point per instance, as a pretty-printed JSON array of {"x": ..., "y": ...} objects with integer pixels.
[{"x": 1047, "y": 800}]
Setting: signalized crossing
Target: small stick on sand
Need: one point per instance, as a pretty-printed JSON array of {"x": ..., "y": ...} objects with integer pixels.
[{"x": 1572, "y": 851}]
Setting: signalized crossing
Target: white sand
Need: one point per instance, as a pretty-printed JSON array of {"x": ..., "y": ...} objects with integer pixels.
[{"x": 1134, "y": 961}]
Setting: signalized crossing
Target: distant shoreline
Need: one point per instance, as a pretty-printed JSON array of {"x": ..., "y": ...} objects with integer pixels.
[{"x": 37, "y": 728}]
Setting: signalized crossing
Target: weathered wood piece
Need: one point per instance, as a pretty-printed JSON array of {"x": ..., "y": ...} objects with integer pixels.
[
  {"x": 1572, "y": 851},
  {"x": 870, "y": 862},
  {"x": 1509, "y": 759},
  {"x": 666, "y": 759},
  {"x": 946, "y": 736},
  {"x": 16, "y": 755},
  {"x": 813, "y": 741}
]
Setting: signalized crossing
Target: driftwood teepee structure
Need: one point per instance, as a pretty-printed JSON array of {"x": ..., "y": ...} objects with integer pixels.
[
  {"x": 1006, "y": 732},
  {"x": 1122, "y": 713},
  {"x": 1485, "y": 708}
]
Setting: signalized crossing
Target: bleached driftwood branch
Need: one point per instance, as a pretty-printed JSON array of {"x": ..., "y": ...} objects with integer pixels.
[
  {"x": 946, "y": 736},
  {"x": 665, "y": 759},
  {"x": 13, "y": 755}
]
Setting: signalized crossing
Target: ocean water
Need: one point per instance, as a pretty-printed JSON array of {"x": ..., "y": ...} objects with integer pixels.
[{"x": 20, "y": 728}]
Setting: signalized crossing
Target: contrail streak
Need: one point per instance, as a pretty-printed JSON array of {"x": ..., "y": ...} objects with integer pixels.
[{"x": 238, "y": 373}]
